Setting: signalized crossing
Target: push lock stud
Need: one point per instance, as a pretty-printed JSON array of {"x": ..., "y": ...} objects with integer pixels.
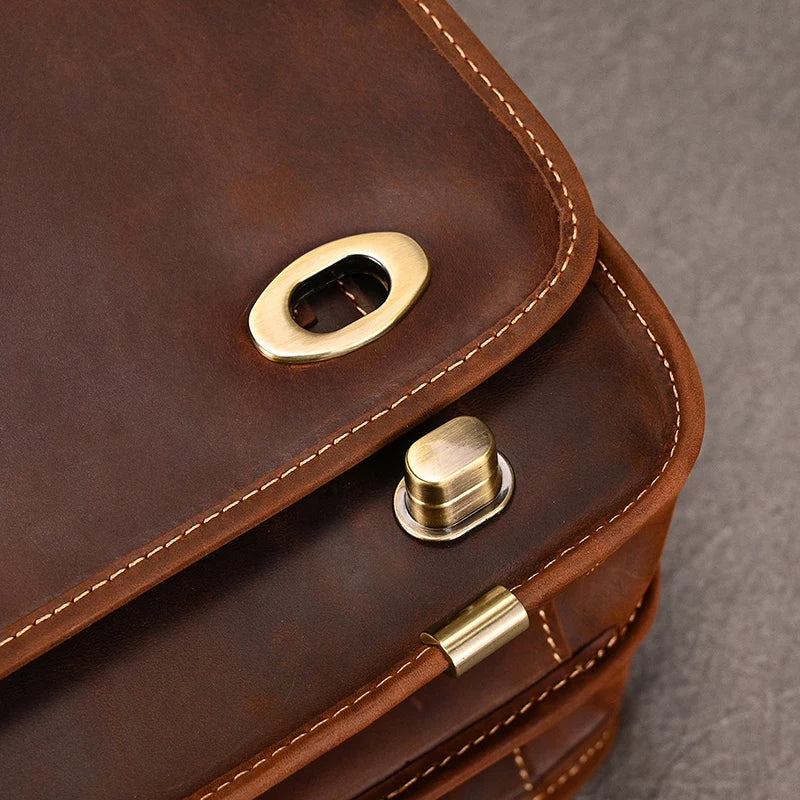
[{"x": 454, "y": 480}]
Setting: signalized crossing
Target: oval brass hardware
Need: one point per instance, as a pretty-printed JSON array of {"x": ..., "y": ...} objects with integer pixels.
[
  {"x": 455, "y": 480},
  {"x": 278, "y": 337}
]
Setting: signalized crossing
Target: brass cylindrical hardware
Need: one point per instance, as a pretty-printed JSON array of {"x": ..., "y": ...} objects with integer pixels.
[
  {"x": 482, "y": 627},
  {"x": 451, "y": 472},
  {"x": 454, "y": 480}
]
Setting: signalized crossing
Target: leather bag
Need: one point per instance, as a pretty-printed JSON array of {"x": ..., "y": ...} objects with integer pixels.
[{"x": 206, "y": 592}]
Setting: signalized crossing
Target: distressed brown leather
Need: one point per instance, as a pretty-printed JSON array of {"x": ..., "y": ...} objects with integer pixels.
[
  {"x": 557, "y": 762},
  {"x": 163, "y": 164}
]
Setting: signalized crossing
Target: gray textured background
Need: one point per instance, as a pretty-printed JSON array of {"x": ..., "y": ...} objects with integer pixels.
[{"x": 684, "y": 118}]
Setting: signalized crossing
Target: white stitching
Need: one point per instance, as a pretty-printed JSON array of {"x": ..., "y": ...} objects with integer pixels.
[
  {"x": 352, "y": 297},
  {"x": 576, "y": 767},
  {"x": 578, "y": 670},
  {"x": 548, "y": 634},
  {"x": 522, "y": 769},
  {"x": 675, "y": 436}
]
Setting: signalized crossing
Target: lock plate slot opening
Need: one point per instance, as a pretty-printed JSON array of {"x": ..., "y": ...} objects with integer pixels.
[{"x": 340, "y": 294}]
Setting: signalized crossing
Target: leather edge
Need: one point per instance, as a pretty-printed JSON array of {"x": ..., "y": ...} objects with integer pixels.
[{"x": 670, "y": 349}]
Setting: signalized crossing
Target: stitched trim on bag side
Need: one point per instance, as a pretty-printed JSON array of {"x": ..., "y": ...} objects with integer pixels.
[
  {"x": 675, "y": 436},
  {"x": 524, "y": 709},
  {"x": 575, "y": 768},
  {"x": 548, "y": 635},
  {"x": 513, "y": 320},
  {"x": 579, "y": 670},
  {"x": 522, "y": 768},
  {"x": 353, "y": 299}
]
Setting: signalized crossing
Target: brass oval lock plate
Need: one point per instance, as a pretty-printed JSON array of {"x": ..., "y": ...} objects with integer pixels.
[
  {"x": 278, "y": 337},
  {"x": 454, "y": 481}
]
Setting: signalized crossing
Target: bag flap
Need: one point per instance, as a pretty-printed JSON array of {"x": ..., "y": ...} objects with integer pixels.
[{"x": 163, "y": 164}]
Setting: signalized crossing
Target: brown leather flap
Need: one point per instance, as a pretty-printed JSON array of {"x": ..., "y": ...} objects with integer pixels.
[{"x": 162, "y": 164}]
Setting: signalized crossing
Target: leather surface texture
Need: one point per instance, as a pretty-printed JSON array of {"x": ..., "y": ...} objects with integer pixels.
[{"x": 165, "y": 161}]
